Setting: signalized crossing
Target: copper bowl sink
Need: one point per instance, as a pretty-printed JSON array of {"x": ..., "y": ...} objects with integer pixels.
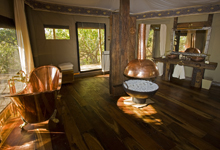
[
  {"x": 172, "y": 56},
  {"x": 192, "y": 50},
  {"x": 139, "y": 97},
  {"x": 195, "y": 51}
]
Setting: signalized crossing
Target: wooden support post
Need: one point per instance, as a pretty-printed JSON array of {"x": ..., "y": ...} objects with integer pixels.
[
  {"x": 175, "y": 23},
  {"x": 197, "y": 76},
  {"x": 167, "y": 71},
  {"x": 122, "y": 47}
]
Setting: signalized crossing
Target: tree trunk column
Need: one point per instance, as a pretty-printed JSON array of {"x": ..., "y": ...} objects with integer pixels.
[{"x": 122, "y": 47}]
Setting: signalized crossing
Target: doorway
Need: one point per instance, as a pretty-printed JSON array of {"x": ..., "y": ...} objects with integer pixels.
[{"x": 91, "y": 39}]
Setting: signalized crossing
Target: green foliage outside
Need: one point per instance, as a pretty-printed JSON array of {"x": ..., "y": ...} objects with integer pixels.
[
  {"x": 91, "y": 45},
  {"x": 9, "y": 57},
  {"x": 62, "y": 34},
  {"x": 49, "y": 33},
  {"x": 182, "y": 43},
  {"x": 149, "y": 47},
  {"x": 59, "y": 33}
]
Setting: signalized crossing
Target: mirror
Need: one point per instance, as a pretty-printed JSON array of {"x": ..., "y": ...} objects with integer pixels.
[
  {"x": 184, "y": 39},
  {"x": 192, "y": 34}
]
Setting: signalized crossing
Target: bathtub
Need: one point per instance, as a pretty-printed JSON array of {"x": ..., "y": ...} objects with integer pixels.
[{"x": 36, "y": 102}]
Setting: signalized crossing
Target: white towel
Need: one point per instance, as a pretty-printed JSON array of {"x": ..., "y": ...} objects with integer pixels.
[
  {"x": 66, "y": 66},
  {"x": 179, "y": 72},
  {"x": 105, "y": 61}
]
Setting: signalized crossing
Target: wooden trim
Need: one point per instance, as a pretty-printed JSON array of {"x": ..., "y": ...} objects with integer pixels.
[
  {"x": 193, "y": 25},
  {"x": 175, "y": 22},
  {"x": 210, "y": 66},
  {"x": 38, "y": 5}
]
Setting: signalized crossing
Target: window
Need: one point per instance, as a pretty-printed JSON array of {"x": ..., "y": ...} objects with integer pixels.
[
  {"x": 9, "y": 57},
  {"x": 91, "y": 43},
  {"x": 182, "y": 43},
  {"x": 153, "y": 39},
  {"x": 9, "y": 62},
  {"x": 54, "y": 32},
  {"x": 150, "y": 42}
]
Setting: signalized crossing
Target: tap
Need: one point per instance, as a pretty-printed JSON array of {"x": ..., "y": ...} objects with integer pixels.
[
  {"x": 20, "y": 76},
  {"x": 23, "y": 76}
]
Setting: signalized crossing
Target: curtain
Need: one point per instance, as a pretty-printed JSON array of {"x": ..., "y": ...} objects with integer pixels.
[
  {"x": 24, "y": 46},
  {"x": 163, "y": 32}
]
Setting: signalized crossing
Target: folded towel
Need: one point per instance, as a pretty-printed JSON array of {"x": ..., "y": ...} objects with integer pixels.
[
  {"x": 179, "y": 72},
  {"x": 105, "y": 61},
  {"x": 66, "y": 66}
]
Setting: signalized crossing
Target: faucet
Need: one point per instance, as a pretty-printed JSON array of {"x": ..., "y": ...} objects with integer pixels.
[{"x": 20, "y": 76}]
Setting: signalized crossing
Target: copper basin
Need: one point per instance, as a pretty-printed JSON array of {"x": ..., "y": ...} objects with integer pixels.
[
  {"x": 192, "y": 50},
  {"x": 36, "y": 102},
  {"x": 173, "y": 56},
  {"x": 195, "y": 51}
]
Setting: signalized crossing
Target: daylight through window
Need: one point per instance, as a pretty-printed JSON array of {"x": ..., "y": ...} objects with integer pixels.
[
  {"x": 56, "y": 32},
  {"x": 9, "y": 62}
]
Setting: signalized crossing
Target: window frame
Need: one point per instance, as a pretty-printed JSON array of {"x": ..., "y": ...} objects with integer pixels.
[
  {"x": 86, "y": 25},
  {"x": 54, "y": 27}
]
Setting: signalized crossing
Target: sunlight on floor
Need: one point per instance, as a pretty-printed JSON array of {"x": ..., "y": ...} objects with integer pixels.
[
  {"x": 103, "y": 75},
  {"x": 90, "y": 67},
  {"x": 147, "y": 113}
]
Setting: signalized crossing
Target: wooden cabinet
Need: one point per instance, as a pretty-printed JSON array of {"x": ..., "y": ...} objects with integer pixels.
[{"x": 67, "y": 76}]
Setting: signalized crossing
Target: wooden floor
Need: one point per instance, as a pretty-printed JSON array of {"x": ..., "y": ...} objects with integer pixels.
[
  {"x": 33, "y": 137},
  {"x": 181, "y": 118}
]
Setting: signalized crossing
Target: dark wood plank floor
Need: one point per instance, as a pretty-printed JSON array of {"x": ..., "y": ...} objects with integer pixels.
[
  {"x": 32, "y": 137},
  {"x": 181, "y": 118}
]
